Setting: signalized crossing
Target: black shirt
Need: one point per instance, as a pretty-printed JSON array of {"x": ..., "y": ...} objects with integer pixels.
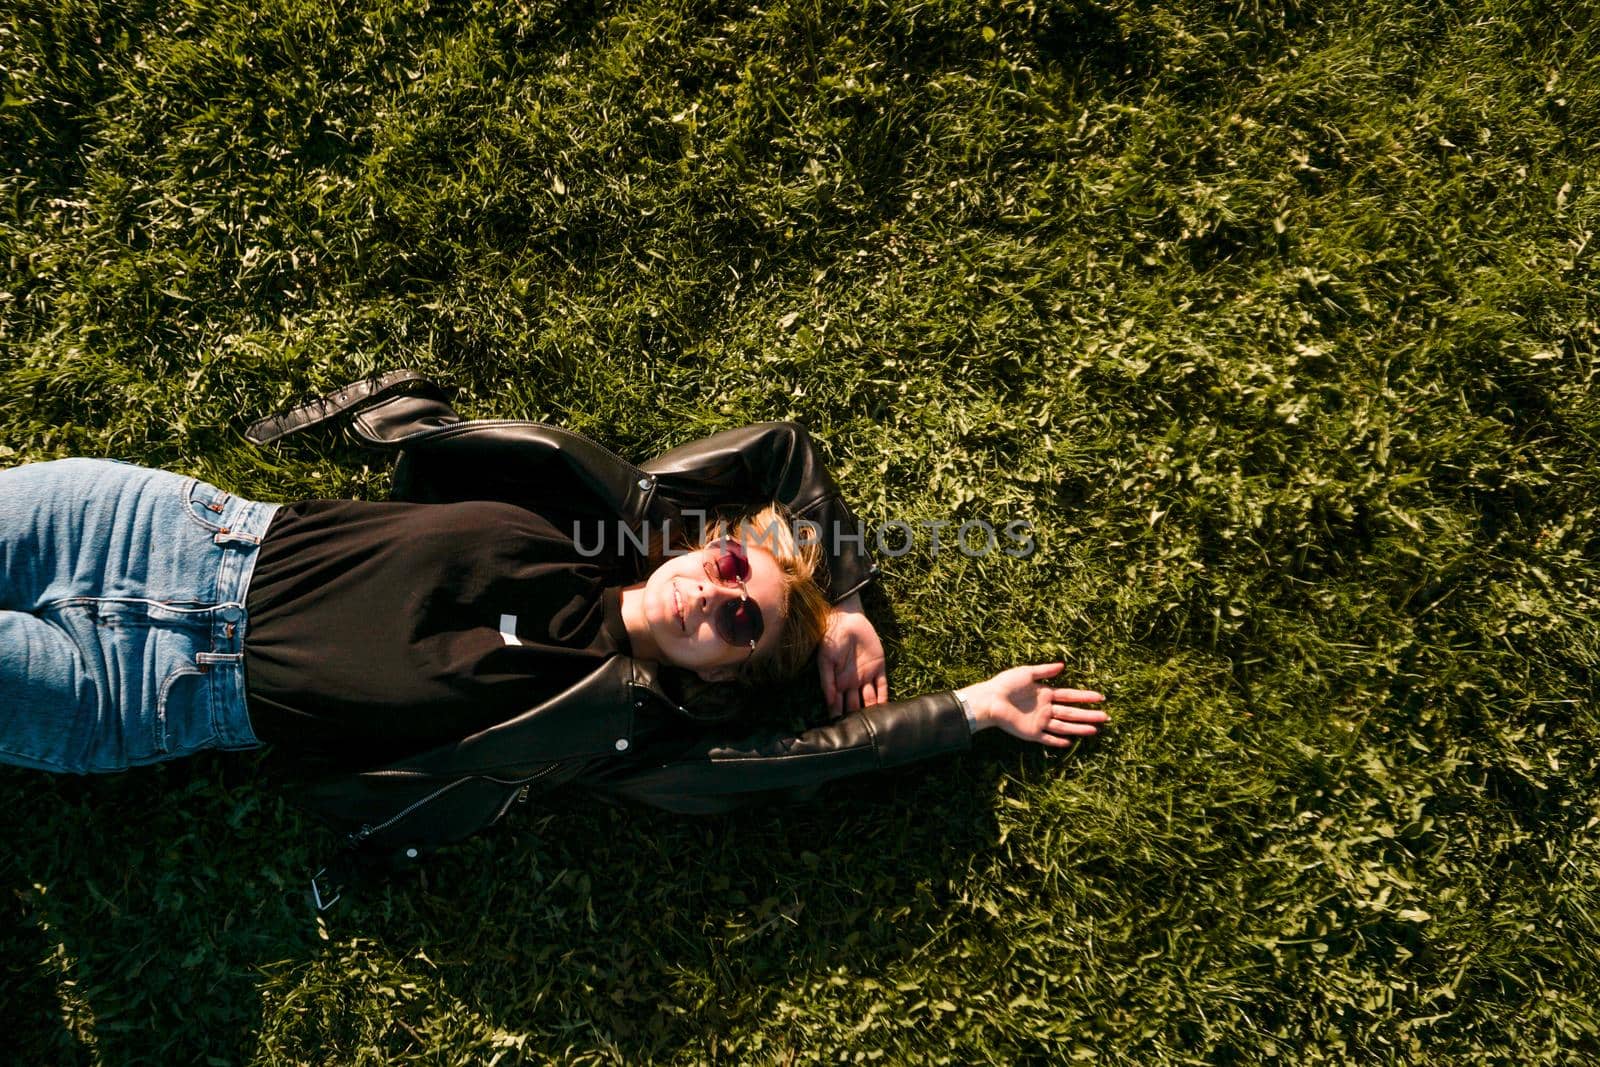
[{"x": 387, "y": 625}]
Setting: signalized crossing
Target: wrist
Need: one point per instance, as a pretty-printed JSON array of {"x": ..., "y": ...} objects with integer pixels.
[
  {"x": 850, "y": 603},
  {"x": 977, "y": 710}
]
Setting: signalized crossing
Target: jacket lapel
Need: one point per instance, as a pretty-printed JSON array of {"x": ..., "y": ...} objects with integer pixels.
[{"x": 593, "y": 717}]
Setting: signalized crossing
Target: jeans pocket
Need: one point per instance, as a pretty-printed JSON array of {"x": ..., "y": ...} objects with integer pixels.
[
  {"x": 183, "y": 709},
  {"x": 204, "y": 503}
]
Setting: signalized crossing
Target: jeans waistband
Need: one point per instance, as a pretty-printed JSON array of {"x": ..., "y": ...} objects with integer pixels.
[{"x": 238, "y": 525}]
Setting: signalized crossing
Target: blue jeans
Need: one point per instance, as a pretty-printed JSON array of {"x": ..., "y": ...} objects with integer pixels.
[{"x": 122, "y": 615}]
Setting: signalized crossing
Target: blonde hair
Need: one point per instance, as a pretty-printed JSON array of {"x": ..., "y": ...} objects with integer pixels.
[{"x": 805, "y": 609}]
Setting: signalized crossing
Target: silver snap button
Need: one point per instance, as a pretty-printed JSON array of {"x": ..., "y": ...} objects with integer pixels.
[
  {"x": 622, "y": 744},
  {"x": 644, "y": 483},
  {"x": 411, "y": 853}
]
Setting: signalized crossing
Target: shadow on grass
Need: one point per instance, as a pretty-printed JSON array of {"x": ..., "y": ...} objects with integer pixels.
[
  {"x": 161, "y": 918},
  {"x": 143, "y": 913},
  {"x": 31, "y": 1012}
]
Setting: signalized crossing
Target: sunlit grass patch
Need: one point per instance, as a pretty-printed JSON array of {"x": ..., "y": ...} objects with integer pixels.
[{"x": 1275, "y": 321}]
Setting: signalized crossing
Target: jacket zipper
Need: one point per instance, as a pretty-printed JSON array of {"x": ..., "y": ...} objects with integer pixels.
[
  {"x": 515, "y": 798},
  {"x": 367, "y": 829}
]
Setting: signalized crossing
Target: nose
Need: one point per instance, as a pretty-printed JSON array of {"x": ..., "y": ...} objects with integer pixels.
[{"x": 711, "y": 593}]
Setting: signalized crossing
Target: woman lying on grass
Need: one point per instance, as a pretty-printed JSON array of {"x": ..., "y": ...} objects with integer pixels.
[{"x": 430, "y": 658}]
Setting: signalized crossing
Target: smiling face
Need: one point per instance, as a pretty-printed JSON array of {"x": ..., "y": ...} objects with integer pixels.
[{"x": 681, "y": 599}]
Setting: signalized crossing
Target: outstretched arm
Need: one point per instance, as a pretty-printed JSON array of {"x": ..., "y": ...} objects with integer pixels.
[
  {"x": 1021, "y": 703},
  {"x": 717, "y": 774}
]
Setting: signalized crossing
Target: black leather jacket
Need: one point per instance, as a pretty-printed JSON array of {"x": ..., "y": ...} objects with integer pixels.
[{"x": 585, "y": 734}]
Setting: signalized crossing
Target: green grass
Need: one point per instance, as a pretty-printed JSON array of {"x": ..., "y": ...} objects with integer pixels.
[{"x": 1278, "y": 321}]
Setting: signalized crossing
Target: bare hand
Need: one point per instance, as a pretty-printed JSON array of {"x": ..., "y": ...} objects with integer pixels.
[
  {"x": 1021, "y": 703},
  {"x": 850, "y": 659}
]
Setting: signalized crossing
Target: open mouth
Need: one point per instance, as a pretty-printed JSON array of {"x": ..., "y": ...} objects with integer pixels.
[{"x": 677, "y": 604}]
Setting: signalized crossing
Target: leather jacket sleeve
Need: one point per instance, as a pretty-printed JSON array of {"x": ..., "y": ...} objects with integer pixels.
[
  {"x": 392, "y": 406},
  {"x": 443, "y": 458},
  {"x": 714, "y": 775},
  {"x": 752, "y": 465}
]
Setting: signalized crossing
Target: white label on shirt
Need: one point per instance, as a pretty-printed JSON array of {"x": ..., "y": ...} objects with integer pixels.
[{"x": 508, "y": 629}]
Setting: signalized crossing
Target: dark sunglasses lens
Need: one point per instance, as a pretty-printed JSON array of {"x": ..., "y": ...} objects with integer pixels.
[
  {"x": 732, "y": 564},
  {"x": 738, "y": 622}
]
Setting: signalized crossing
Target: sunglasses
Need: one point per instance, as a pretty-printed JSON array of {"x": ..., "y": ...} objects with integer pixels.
[{"x": 737, "y": 622}]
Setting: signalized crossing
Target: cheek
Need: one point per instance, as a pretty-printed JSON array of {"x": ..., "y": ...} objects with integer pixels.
[{"x": 684, "y": 649}]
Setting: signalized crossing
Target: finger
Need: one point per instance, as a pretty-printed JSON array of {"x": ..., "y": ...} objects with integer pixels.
[
  {"x": 830, "y": 691},
  {"x": 869, "y": 695},
  {"x": 1076, "y": 696},
  {"x": 1063, "y": 728},
  {"x": 883, "y": 688},
  {"x": 1079, "y": 714},
  {"x": 1039, "y": 672},
  {"x": 852, "y": 700},
  {"x": 1055, "y": 742}
]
